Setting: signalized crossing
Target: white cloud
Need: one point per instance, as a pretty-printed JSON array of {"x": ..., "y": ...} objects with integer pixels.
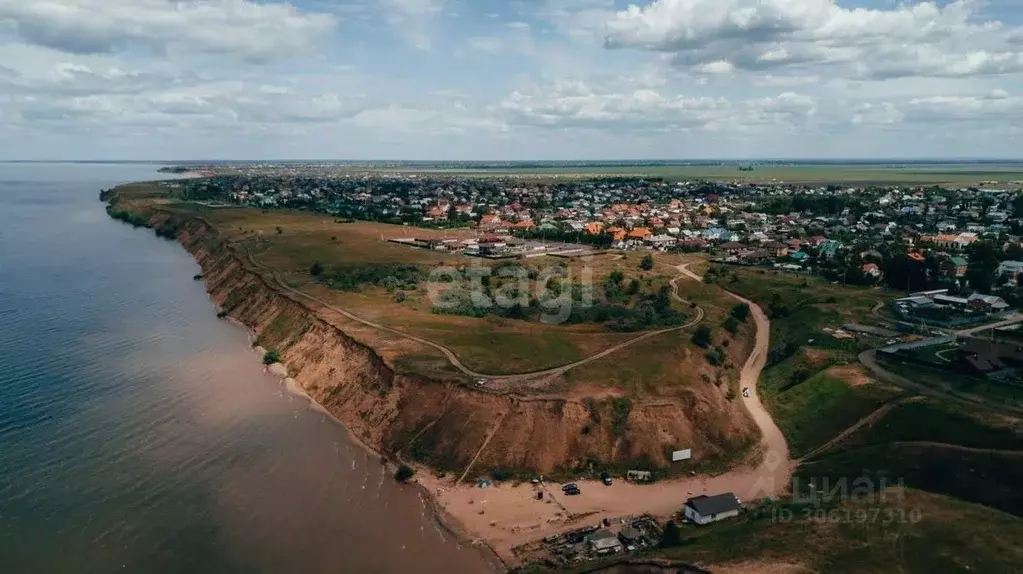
[
  {"x": 918, "y": 39},
  {"x": 577, "y": 104},
  {"x": 247, "y": 29},
  {"x": 413, "y": 19}
]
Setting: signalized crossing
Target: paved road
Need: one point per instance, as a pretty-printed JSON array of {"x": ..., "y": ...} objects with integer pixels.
[
  {"x": 453, "y": 358},
  {"x": 1011, "y": 320},
  {"x": 869, "y": 360}
]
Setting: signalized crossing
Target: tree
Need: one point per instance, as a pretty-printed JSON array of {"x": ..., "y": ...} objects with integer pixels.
[
  {"x": 672, "y": 535},
  {"x": 731, "y": 325},
  {"x": 647, "y": 263},
  {"x": 701, "y": 338},
  {"x": 404, "y": 473},
  {"x": 271, "y": 357},
  {"x": 616, "y": 276},
  {"x": 633, "y": 287},
  {"x": 984, "y": 258},
  {"x": 316, "y": 270},
  {"x": 740, "y": 312}
]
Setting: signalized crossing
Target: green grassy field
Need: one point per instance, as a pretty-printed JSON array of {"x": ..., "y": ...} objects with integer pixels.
[
  {"x": 929, "y": 420},
  {"x": 912, "y": 532},
  {"x": 821, "y": 407},
  {"x": 987, "y": 478},
  {"x": 824, "y": 174},
  {"x": 969, "y": 388}
]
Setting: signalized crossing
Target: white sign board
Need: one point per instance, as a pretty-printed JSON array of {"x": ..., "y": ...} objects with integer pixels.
[{"x": 682, "y": 455}]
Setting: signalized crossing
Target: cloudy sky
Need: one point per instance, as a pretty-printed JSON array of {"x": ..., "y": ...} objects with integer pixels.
[{"x": 510, "y": 79}]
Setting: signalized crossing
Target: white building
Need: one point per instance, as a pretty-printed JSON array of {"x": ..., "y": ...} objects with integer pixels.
[{"x": 706, "y": 509}]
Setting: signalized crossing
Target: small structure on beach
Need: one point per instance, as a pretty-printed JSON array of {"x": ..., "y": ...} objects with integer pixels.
[
  {"x": 604, "y": 542},
  {"x": 639, "y": 476}
]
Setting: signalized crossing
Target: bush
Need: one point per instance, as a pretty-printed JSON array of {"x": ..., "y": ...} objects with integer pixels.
[
  {"x": 731, "y": 325},
  {"x": 271, "y": 357},
  {"x": 404, "y": 473},
  {"x": 399, "y": 297},
  {"x": 316, "y": 270},
  {"x": 701, "y": 338},
  {"x": 620, "y": 409},
  {"x": 647, "y": 263},
  {"x": 741, "y": 312}
]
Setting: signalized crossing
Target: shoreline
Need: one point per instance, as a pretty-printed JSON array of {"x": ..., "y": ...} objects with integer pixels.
[
  {"x": 504, "y": 519},
  {"x": 443, "y": 519},
  {"x": 508, "y": 521}
]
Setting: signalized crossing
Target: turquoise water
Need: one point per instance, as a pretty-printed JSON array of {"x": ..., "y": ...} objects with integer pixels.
[{"x": 138, "y": 433}]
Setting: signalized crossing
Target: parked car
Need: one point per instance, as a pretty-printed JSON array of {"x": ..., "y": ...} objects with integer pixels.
[
  {"x": 606, "y": 478},
  {"x": 569, "y": 486},
  {"x": 745, "y": 391},
  {"x": 573, "y": 491}
]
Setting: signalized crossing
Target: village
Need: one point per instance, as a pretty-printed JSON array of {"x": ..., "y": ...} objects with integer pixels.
[{"x": 909, "y": 238}]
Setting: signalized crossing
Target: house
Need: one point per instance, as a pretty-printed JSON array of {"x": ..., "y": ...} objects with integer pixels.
[
  {"x": 1012, "y": 269},
  {"x": 778, "y": 249},
  {"x": 799, "y": 256},
  {"x": 640, "y": 233},
  {"x": 954, "y": 266},
  {"x": 661, "y": 241},
  {"x": 594, "y": 228},
  {"x": 732, "y": 247},
  {"x": 987, "y": 303},
  {"x": 871, "y": 269},
  {"x": 604, "y": 542},
  {"x": 706, "y": 509},
  {"x": 829, "y": 249}
]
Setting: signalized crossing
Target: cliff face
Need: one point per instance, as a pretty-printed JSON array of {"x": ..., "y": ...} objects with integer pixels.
[{"x": 443, "y": 424}]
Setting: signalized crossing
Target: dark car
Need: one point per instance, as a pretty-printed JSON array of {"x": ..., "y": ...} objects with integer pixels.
[
  {"x": 573, "y": 491},
  {"x": 605, "y": 478},
  {"x": 569, "y": 486}
]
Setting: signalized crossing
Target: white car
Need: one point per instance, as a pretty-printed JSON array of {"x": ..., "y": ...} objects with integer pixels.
[
  {"x": 481, "y": 382},
  {"x": 745, "y": 392}
]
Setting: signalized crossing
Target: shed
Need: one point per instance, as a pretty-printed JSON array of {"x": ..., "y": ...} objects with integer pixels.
[
  {"x": 604, "y": 542},
  {"x": 706, "y": 509}
]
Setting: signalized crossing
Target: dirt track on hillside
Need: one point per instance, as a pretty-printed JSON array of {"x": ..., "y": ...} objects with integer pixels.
[
  {"x": 453, "y": 358},
  {"x": 507, "y": 516}
]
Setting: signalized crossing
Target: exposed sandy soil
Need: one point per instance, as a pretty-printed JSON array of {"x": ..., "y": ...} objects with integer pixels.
[
  {"x": 465, "y": 429},
  {"x": 507, "y": 516},
  {"x": 854, "y": 375}
]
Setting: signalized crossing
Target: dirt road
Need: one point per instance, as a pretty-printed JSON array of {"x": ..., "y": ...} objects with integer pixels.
[
  {"x": 506, "y": 516},
  {"x": 869, "y": 360},
  {"x": 453, "y": 358}
]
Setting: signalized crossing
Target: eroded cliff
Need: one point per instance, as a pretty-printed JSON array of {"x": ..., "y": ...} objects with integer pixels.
[{"x": 445, "y": 424}]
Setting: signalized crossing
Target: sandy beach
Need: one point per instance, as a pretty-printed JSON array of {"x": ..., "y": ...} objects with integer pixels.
[{"x": 506, "y": 516}]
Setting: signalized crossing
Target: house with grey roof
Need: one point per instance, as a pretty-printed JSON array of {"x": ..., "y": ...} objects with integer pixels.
[{"x": 706, "y": 509}]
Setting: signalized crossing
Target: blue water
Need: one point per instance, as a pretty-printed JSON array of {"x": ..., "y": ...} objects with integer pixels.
[{"x": 138, "y": 433}]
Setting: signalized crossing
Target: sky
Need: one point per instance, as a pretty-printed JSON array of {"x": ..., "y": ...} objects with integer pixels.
[{"x": 510, "y": 79}]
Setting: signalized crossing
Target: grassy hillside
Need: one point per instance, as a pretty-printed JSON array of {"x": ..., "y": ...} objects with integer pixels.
[
  {"x": 988, "y": 478},
  {"x": 818, "y": 409},
  {"x": 912, "y": 532}
]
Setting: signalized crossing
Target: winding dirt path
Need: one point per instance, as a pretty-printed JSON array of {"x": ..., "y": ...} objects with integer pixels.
[
  {"x": 507, "y": 516},
  {"x": 453, "y": 358},
  {"x": 869, "y": 360},
  {"x": 865, "y": 421}
]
